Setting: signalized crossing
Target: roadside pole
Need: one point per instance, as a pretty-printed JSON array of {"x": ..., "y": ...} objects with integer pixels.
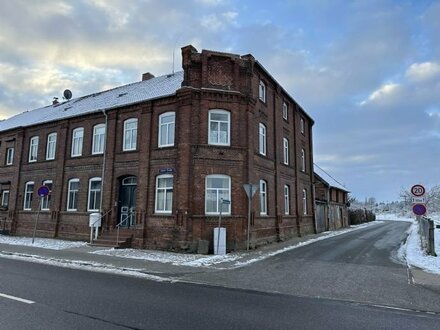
[
  {"x": 219, "y": 224},
  {"x": 43, "y": 191},
  {"x": 250, "y": 189}
]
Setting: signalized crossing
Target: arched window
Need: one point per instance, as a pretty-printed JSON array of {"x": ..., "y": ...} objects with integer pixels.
[
  {"x": 166, "y": 129},
  {"x": 98, "y": 139},
  {"x": 217, "y": 188},
  {"x": 51, "y": 146},
  {"x": 263, "y": 197},
  {"x": 72, "y": 194},
  {"x": 164, "y": 193},
  {"x": 94, "y": 203},
  {"x": 304, "y": 201},
  {"x": 262, "y": 139},
  {"x": 77, "y": 141}
]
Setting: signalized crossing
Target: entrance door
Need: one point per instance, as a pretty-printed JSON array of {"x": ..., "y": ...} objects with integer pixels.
[{"x": 127, "y": 204}]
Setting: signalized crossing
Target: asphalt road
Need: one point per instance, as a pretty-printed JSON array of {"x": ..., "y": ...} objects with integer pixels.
[
  {"x": 360, "y": 266},
  {"x": 60, "y": 298}
]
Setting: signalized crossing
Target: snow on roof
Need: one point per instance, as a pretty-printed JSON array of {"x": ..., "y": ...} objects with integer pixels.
[
  {"x": 113, "y": 98},
  {"x": 327, "y": 178}
]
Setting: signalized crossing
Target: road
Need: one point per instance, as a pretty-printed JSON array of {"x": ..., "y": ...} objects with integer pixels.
[{"x": 345, "y": 282}]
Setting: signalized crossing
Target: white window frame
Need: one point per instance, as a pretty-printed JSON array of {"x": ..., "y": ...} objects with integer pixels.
[
  {"x": 77, "y": 141},
  {"x": 218, "y": 192},
  {"x": 72, "y": 195},
  {"x": 286, "y": 151},
  {"x": 51, "y": 146},
  {"x": 303, "y": 160},
  {"x": 304, "y": 201},
  {"x": 217, "y": 140},
  {"x": 263, "y": 197},
  {"x": 28, "y": 195},
  {"x": 285, "y": 111},
  {"x": 5, "y": 192},
  {"x": 169, "y": 129},
  {"x": 286, "y": 199},
  {"x": 301, "y": 124},
  {"x": 167, "y": 209},
  {"x": 130, "y": 135},
  {"x": 98, "y": 141},
  {"x": 45, "y": 201},
  {"x": 95, "y": 193},
  {"x": 33, "y": 149},
  {"x": 262, "y": 91},
  {"x": 10, "y": 156},
  {"x": 262, "y": 139}
]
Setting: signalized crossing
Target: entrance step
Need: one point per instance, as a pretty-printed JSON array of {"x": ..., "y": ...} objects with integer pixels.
[{"x": 108, "y": 239}]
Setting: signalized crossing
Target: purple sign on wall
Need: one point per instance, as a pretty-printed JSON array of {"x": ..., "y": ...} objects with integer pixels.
[{"x": 43, "y": 191}]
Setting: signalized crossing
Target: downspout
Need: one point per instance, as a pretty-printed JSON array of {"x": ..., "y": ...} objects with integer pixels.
[{"x": 103, "y": 161}]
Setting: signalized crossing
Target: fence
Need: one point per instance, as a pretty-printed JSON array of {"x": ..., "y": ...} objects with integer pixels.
[{"x": 426, "y": 231}]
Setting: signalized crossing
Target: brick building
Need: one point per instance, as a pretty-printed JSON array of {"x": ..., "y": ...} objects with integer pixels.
[
  {"x": 156, "y": 157},
  {"x": 331, "y": 199}
]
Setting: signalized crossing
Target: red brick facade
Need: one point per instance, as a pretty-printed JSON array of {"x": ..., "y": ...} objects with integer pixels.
[{"x": 211, "y": 80}]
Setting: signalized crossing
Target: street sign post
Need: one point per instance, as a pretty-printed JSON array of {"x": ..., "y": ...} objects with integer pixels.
[
  {"x": 250, "y": 189},
  {"x": 42, "y": 192},
  {"x": 418, "y": 200},
  {"x": 225, "y": 202}
]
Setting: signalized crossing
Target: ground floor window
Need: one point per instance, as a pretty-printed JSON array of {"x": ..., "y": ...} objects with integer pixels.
[
  {"x": 217, "y": 187},
  {"x": 72, "y": 194},
  {"x": 28, "y": 195},
  {"x": 45, "y": 201},
  {"x": 263, "y": 197},
  {"x": 286, "y": 199},
  {"x": 94, "y": 194},
  {"x": 5, "y": 199},
  {"x": 164, "y": 193}
]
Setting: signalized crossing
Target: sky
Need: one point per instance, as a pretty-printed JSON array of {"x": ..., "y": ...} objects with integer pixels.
[{"x": 367, "y": 72}]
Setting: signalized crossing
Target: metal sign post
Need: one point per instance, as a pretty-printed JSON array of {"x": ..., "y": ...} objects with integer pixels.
[
  {"x": 43, "y": 191},
  {"x": 250, "y": 189},
  {"x": 225, "y": 202},
  {"x": 418, "y": 200}
]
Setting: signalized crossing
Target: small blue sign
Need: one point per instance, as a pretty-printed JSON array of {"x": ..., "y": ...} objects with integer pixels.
[
  {"x": 167, "y": 170},
  {"x": 43, "y": 191}
]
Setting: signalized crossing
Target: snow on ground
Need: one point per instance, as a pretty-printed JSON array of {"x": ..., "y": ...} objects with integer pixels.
[
  {"x": 394, "y": 217},
  {"x": 180, "y": 259},
  {"x": 45, "y": 243},
  {"x": 414, "y": 254}
]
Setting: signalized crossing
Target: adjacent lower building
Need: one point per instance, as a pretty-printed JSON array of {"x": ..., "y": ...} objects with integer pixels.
[
  {"x": 160, "y": 158},
  {"x": 331, "y": 202}
]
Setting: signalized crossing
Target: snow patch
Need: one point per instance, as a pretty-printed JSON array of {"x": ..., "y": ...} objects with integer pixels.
[
  {"x": 44, "y": 243},
  {"x": 394, "y": 217}
]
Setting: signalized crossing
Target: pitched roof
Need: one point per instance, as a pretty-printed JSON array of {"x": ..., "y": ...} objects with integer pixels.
[
  {"x": 328, "y": 179},
  {"x": 113, "y": 98}
]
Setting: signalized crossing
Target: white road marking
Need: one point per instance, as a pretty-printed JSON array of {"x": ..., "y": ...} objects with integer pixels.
[{"x": 17, "y": 299}]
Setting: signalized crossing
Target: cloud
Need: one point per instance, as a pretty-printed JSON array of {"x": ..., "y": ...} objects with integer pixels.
[
  {"x": 218, "y": 22},
  {"x": 422, "y": 71},
  {"x": 380, "y": 95}
]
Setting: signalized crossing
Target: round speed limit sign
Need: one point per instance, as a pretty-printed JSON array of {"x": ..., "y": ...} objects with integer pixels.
[{"x": 418, "y": 190}]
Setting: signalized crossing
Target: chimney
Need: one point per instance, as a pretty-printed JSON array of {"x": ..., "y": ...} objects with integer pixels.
[
  {"x": 55, "y": 101},
  {"x": 147, "y": 76}
]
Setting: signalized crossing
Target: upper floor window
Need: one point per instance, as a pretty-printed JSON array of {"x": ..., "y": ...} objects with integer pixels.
[
  {"x": 94, "y": 197},
  {"x": 263, "y": 197},
  {"x": 77, "y": 141},
  {"x": 166, "y": 129},
  {"x": 304, "y": 201},
  {"x": 164, "y": 193},
  {"x": 130, "y": 134},
  {"x": 219, "y": 127},
  {"x": 262, "y": 139},
  {"x": 72, "y": 194},
  {"x": 262, "y": 91},
  {"x": 217, "y": 189},
  {"x": 303, "y": 160},
  {"x": 9, "y": 156},
  {"x": 33, "y": 149},
  {"x": 28, "y": 195},
  {"x": 301, "y": 124},
  {"x": 285, "y": 111},
  {"x": 286, "y": 151},
  {"x": 98, "y": 139},
  {"x": 5, "y": 199},
  {"x": 286, "y": 199},
  {"x": 45, "y": 201},
  {"x": 51, "y": 146}
]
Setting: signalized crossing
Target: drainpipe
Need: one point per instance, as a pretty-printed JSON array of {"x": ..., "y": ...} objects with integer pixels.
[{"x": 103, "y": 161}]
